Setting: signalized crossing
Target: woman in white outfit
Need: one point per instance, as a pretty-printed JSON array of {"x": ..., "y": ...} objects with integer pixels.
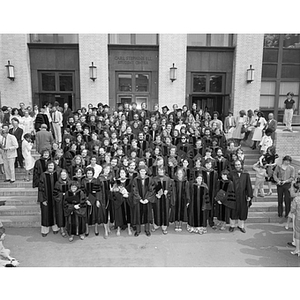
[
  {"x": 258, "y": 130},
  {"x": 27, "y": 123},
  {"x": 26, "y": 152}
]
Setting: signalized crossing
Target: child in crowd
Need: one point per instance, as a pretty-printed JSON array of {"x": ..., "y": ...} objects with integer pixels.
[{"x": 260, "y": 174}]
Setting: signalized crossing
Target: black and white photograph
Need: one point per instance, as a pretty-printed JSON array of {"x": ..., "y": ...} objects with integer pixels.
[{"x": 131, "y": 147}]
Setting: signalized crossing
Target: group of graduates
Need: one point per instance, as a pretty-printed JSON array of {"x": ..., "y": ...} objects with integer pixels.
[{"x": 136, "y": 167}]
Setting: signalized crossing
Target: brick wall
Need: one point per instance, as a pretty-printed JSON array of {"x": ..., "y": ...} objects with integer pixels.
[
  {"x": 172, "y": 49},
  {"x": 248, "y": 51},
  {"x": 13, "y": 47},
  {"x": 93, "y": 48}
]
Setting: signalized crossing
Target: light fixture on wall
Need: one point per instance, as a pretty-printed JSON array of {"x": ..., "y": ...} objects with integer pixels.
[
  {"x": 93, "y": 72},
  {"x": 10, "y": 71},
  {"x": 250, "y": 74},
  {"x": 173, "y": 73}
]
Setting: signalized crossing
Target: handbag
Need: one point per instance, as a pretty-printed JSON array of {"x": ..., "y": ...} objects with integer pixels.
[{"x": 221, "y": 196}]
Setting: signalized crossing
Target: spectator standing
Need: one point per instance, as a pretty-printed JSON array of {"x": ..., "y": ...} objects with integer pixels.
[
  {"x": 258, "y": 130},
  {"x": 27, "y": 123},
  {"x": 66, "y": 114},
  {"x": 44, "y": 139},
  {"x": 26, "y": 152},
  {"x": 57, "y": 120},
  {"x": 284, "y": 175},
  {"x": 18, "y": 133},
  {"x": 9, "y": 146},
  {"x": 289, "y": 111},
  {"x": 229, "y": 125},
  {"x": 272, "y": 124},
  {"x": 238, "y": 133}
]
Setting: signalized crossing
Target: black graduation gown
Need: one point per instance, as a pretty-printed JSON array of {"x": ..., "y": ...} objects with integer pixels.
[
  {"x": 162, "y": 206},
  {"x": 60, "y": 189},
  {"x": 40, "y": 167},
  {"x": 181, "y": 198},
  {"x": 75, "y": 218},
  {"x": 107, "y": 203},
  {"x": 211, "y": 180},
  {"x": 92, "y": 190},
  {"x": 223, "y": 210},
  {"x": 46, "y": 188},
  {"x": 197, "y": 217},
  {"x": 142, "y": 213},
  {"x": 220, "y": 165},
  {"x": 243, "y": 189},
  {"x": 122, "y": 211}
]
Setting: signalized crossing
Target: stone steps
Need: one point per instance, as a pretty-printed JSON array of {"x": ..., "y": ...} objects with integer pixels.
[
  {"x": 19, "y": 200},
  {"x": 20, "y": 210},
  {"x": 18, "y": 191},
  {"x": 21, "y": 221},
  {"x": 264, "y": 217}
]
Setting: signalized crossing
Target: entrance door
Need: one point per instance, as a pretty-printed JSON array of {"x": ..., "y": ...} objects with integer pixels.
[
  {"x": 60, "y": 98},
  {"x": 209, "y": 103}
]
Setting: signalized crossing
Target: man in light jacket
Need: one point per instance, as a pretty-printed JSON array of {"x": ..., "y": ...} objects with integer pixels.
[{"x": 9, "y": 146}]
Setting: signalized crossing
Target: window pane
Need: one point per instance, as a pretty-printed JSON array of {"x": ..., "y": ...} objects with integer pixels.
[
  {"x": 286, "y": 87},
  {"x": 196, "y": 39},
  {"x": 48, "y": 82},
  {"x": 42, "y": 38},
  {"x": 215, "y": 84},
  {"x": 66, "y": 82},
  {"x": 125, "y": 82},
  {"x": 141, "y": 83},
  {"x": 221, "y": 40},
  {"x": 269, "y": 71},
  {"x": 199, "y": 83},
  {"x": 291, "y": 41},
  {"x": 67, "y": 38},
  {"x": 290, "y": 71},
  {"x": 120, "y": 38},
  {"x": 291, "y": 56},
  {"x": 124, "y": 99},
  {"x": 271, "y": 40},
  {"x": 283, "y": 98},
  {"x": 267, "y": 101},
  {"x": 270, "y": 55},
  {"x": 268, "y": 87},
  {"x": 146, "y": 39}
]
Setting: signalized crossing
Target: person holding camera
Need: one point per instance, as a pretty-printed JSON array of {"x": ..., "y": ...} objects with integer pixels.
[{"x": 283, "y": 175}]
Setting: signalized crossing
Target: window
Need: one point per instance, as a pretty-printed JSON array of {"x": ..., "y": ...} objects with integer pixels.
[
  {"x": 210, "y": 40},
  {"x": 196, "y": 40},
  {"x": 199, "y": 83},
  {"x": 48, "y": 82},
  {"x": 133, "y": 39},
  {"x": 65, "y": 82},
  {"x": 270, "y": 55},
  {"x": 267, "y": 91},
  {"x": 290, "y": 71},
  {"x": 271, "y": 40},
  {"x": 54, "y": 38},
  {"x": 125, "y": 82},
  {"x": 56, "y": 81},
  {"x": 141, "y": 83},
  {"x": 208, "y": 83},
  {"x": 291, "y": 41},
  {"x": 269, "y": 71}
]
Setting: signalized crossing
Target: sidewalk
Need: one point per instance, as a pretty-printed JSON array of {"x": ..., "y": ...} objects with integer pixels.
[{"x": 263, "y": 245}]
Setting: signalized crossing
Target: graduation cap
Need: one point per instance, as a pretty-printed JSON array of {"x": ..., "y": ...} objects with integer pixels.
[
  {"x": 165, "y": 107},
  {"x": 105, "y": 106},
  {"x": 4, "y": 108},
  {"x": 179, "y": 110}
]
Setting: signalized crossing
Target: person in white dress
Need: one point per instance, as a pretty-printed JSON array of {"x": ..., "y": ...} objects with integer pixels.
[
  {"x": 241, "y": 121},
  {"x": 26, "y": 152},
  {"x": 258, "y": 130},
  {"x": 266, "y": 141},
  {"x": 26, "y": 123}
]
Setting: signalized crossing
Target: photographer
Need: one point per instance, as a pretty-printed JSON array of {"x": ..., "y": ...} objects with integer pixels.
[{"x": 283, "y": 175}]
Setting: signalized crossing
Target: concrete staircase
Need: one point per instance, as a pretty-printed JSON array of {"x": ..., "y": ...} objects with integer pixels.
[
  {"x": 22, "y": 210},
  {"x": 263, "y": 210}
]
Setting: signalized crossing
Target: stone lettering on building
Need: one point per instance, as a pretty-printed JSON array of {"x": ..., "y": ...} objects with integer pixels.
[{"x": 137, "y": 60}]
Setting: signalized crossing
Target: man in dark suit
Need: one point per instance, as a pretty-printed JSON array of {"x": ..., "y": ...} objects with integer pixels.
[
  {"x": 243, "y": 193},
  {"x": 18, "y": 133},
  {"x": 271, "y": 124},
  {"x": 66, "y": 113}
]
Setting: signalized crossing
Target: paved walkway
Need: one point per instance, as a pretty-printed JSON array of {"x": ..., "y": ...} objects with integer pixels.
[{"x": 263, "y": 245}]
